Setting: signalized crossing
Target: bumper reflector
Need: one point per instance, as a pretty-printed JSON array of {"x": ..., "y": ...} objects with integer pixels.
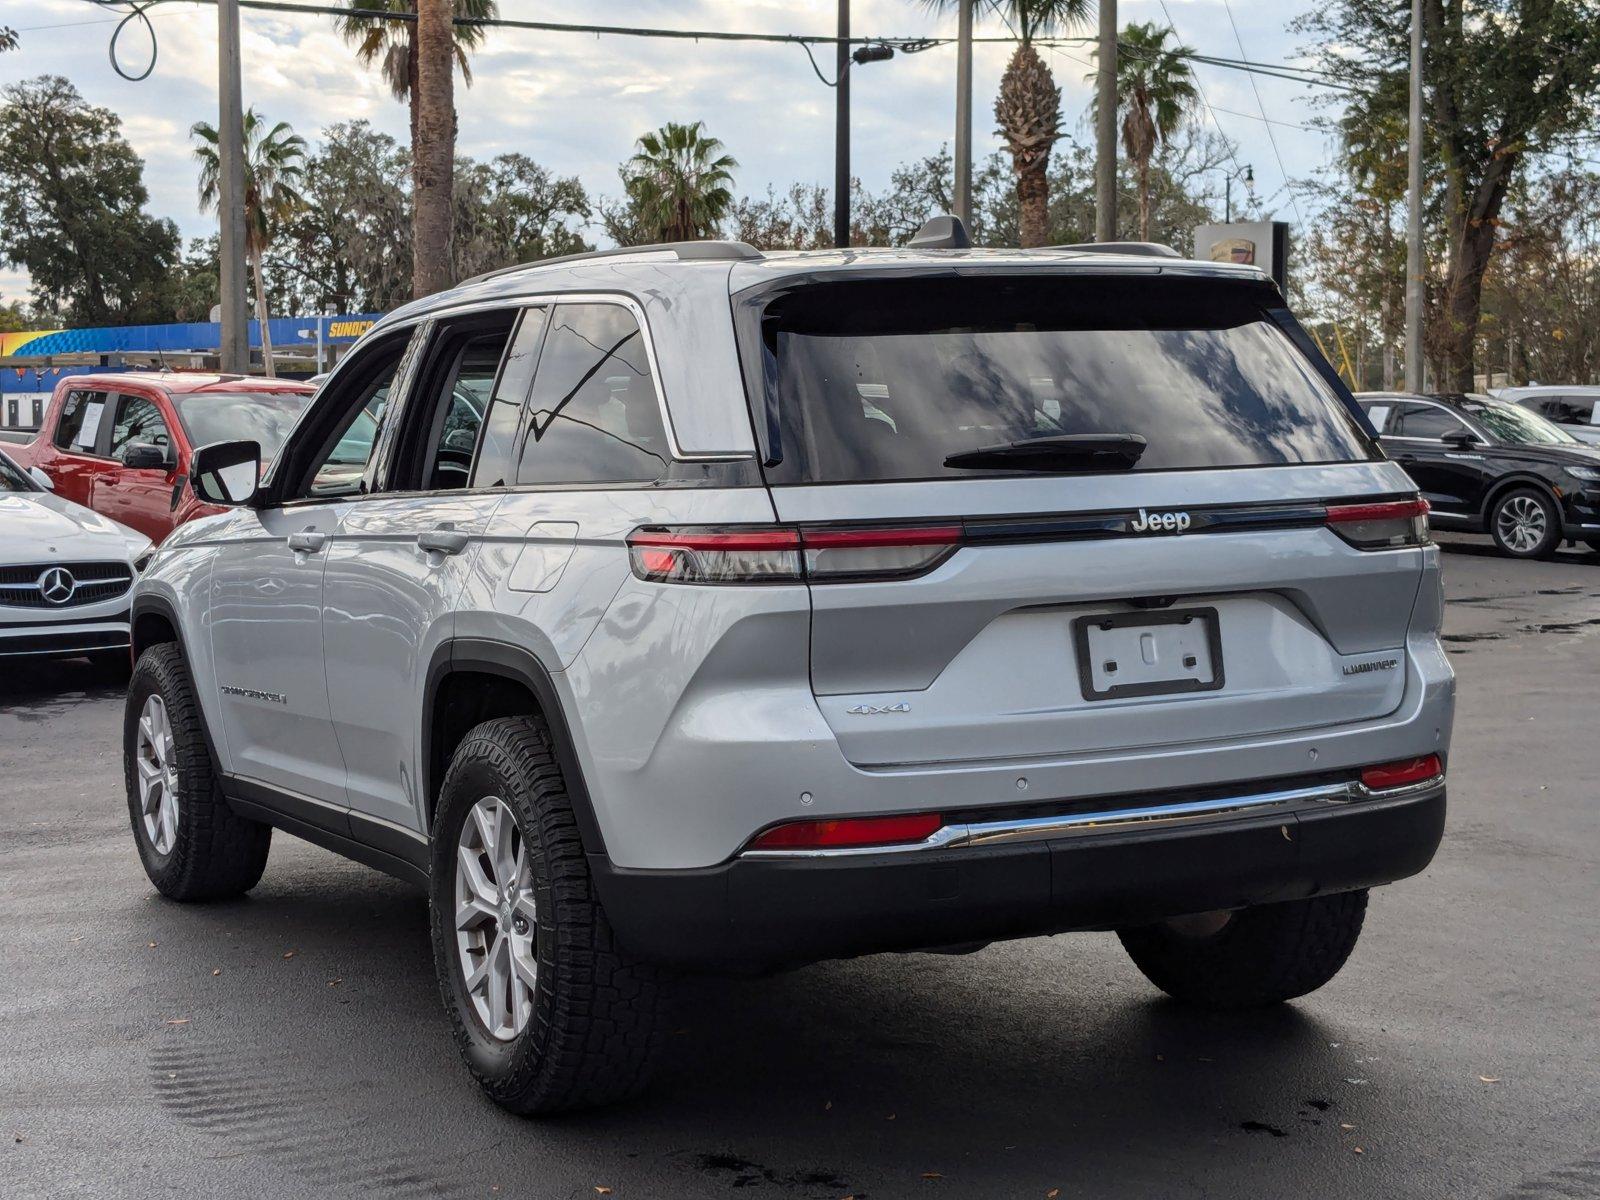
[
  {"x": 848, "y": 831},
  {"x": 1384, "y": 776}
]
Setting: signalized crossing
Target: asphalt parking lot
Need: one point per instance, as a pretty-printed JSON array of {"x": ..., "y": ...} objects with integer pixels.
[{"x": 293, "y": 1044}]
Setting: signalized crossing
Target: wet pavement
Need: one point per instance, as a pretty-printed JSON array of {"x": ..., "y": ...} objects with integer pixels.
[{"x": 292, "y": 1044}]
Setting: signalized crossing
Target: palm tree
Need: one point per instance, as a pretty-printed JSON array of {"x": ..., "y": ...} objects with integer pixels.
[
  {"x": 274, "y": 164},
  {"x": 678, "y": 183},
  {"x": 1028, "y": 107},
  {"x": 392, "y": 45},
  {"x": 1156, "y": 91},
  {"x": 433, "y": 150}
]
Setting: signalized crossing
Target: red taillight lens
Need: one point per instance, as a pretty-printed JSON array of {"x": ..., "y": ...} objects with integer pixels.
[
  {"x": 784, "y": 554},
  {"x": 716, "y": 555},
  {"x": 1381, "y": 526},
  {"x": 849, "y": 831},
  {"x": 1398, "y": 774}
]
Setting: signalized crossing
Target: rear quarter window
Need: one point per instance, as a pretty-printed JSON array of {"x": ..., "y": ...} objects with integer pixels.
[{"x": 883, "y": 379}]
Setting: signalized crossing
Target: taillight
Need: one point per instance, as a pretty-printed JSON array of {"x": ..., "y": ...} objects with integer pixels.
[
  {"x": 868, "y": 552},
  {"x": 1381, "y": 526},
  {"x": 1384, "y": 776},
  {"x": 785, "y": 554},
  {"x": 849, "y": 832},
  {"x": 716, "y": 555}
]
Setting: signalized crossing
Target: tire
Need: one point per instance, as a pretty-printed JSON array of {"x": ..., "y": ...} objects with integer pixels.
[
  {"x": 1525, "y": 524},
  {"x": 1263, "y": 955},
  {"x": 195, "y": 847},
  {"x": 585, "y": 1028}
]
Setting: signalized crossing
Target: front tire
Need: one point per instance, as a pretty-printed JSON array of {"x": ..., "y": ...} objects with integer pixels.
[
  {"x": 193, "y": 846},
  {"x": 1255, "y": 957},
  {"x": 1525, "y": 524},
  {"x": 548, "y": 1011}
]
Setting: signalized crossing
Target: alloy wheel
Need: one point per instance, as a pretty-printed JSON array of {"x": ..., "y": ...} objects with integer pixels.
[
  {"x": 157, "y": 763},
  {"x": 496, "y": 918},
  {"x": 1521, "y": 524}
]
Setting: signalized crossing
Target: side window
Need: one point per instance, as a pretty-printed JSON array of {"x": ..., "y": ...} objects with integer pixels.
[
  {"x": 1427, "y": 421},
  {"x": 446, "y": 412},
  {"x": 139, "y": 421},
  {"x": 595, "y": 416},
  {"x": 1575, "y": 410},
  {"x": 1378, "y": 414},
  {"x": 80, "y": 421},
  {"x": 360, "y": 398},
  {"x": 497, "y": 449}
]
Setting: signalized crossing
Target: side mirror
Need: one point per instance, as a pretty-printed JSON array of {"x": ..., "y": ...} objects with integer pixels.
[
  {"x": 1460, "y": 439},
  {"x": 43, "y": 480},
  {"x": 226, "y": 473},
  {"x": 142, "y": 456}
]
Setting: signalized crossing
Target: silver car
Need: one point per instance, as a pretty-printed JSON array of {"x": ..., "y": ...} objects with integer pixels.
[
  {"x": 778, "y": 607},
  {"x": 1575, "y": 409}
]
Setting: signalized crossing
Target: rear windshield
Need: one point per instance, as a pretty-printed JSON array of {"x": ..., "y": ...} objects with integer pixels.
[
  {"x": 264, "y": 417},
  {"x": 884, "y": 379}
]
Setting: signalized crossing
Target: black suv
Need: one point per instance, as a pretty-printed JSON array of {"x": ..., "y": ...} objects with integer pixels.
[{"x": 1492, "y": 467}]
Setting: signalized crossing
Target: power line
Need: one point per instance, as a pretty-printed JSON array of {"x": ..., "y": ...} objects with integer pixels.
[
  {"x": 1238, "y": 167},
  {"x": 1276, "y": 70},
  {"x": 1271, "y": 136}
]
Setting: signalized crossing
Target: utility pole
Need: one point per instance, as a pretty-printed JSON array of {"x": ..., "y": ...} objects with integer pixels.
[
  {"x": 1105, "y": 127},
  {"x": 235, "y": 345},
  {"x": 841, "y": 131},
  {"x": 1414, "y": 293},
  {"x": 963, "y": 197}
]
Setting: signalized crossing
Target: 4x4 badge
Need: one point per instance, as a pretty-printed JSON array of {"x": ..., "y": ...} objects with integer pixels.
[
  {"x": 877, "y": 710},
  {"x": 1172, "y": 522}
]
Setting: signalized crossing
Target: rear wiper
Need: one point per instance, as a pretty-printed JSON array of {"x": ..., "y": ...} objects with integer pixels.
[{"x": 1064, "y": 452}]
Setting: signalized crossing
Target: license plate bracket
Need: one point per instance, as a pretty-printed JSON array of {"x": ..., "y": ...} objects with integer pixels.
[{"x": 1148, "y": 653}]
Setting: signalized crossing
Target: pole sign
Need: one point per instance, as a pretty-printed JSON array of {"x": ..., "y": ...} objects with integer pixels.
[{"x": 1263, "y": 244}]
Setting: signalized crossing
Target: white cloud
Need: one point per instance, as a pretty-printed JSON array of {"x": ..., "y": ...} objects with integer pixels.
[{"x": 576, "y": 102}]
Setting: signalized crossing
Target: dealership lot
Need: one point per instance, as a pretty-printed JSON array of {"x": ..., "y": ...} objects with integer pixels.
[{"x": 293, "y": 1043}]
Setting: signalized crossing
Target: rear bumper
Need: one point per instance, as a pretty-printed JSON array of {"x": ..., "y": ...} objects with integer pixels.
[{"x": 756, "y": 914}]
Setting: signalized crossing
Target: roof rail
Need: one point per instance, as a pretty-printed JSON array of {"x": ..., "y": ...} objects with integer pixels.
[
  {"x": 1150, "y": 249},
  {"x": 686, "y": 252}
]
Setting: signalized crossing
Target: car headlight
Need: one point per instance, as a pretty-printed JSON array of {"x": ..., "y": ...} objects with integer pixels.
[
  {"x": 140, "y": 553},
  {"x": 1590, "y": 473}
]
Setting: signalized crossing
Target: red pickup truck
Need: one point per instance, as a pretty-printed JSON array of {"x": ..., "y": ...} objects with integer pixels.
[{"x": 120, "y": 444}]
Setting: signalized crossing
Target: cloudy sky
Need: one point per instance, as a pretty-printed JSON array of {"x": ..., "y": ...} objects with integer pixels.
[{"x": 576, "y": 102}]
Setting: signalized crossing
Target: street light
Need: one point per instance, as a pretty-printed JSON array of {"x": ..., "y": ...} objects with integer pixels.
[
  {"x": 843, "y": 59},
  {"x": 1249, "y": 179}
]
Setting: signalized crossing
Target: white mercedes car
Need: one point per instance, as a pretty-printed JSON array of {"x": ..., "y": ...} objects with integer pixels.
[{"x": 65, "y": 574}]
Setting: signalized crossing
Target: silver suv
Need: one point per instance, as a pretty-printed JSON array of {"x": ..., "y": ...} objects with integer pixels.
[{"x": 694, "y": 608}]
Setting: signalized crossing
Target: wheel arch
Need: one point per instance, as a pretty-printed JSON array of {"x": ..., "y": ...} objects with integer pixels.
[
  {"x": 501, "y": 679},
  {"x": 1511, "y": 483}
]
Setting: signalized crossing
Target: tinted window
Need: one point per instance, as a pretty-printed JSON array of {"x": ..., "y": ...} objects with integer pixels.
[
  {"x": 1427, "y": 421},
  {"x": 497, "y": 452},
  {"x": 361, "y": 395},
  {"x": 595, "y": 416},
  {"x": 80, "y": 421},
  {"x": 13, "y": 479},
  {"x": 456, "y": 414},
  {"x": 138, "y": 421},
  {"x": 261, "y": 417},
  {"x": 876, "y": 380},
  {"x": 1378, "y": 414},
  {"x": 1570, "y": 410},
  {"x": 1513, "y": 424}
]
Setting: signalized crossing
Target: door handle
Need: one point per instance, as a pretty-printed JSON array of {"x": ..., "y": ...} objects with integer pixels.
[
  {"x": 442, "y": 541},
  {"x": 307, "y": 541}
]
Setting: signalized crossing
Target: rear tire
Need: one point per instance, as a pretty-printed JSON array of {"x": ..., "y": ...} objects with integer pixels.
[
  {"x": 1525, "y": 524},
  {"x": 556, "y": 1016},
  {"x": 193, "y": 846},
  {"x": 1260, "y": 956}
]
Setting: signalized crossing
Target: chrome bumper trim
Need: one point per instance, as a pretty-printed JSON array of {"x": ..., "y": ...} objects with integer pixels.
[{"x": 1065, "y": 825}]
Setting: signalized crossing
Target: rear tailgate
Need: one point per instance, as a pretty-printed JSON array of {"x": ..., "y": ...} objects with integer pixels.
[
  {"x": 981, "y": 658},
  {"x": 1197, "y": 594}
]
